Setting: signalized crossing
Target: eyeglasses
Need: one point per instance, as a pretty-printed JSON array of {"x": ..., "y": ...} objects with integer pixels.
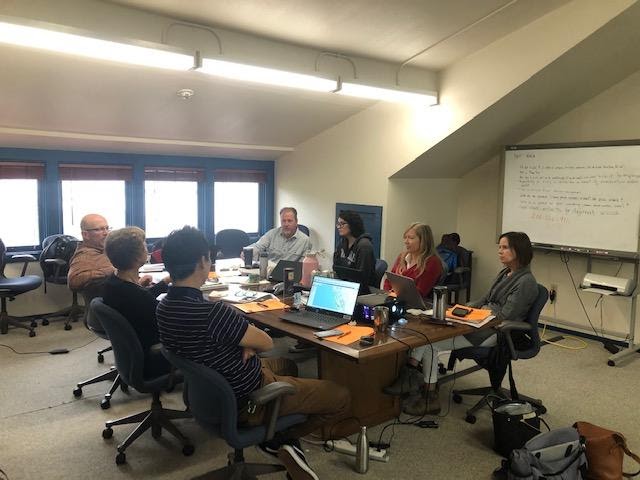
[
  {"x": 98, "y": 229},
  {"x": 341, "y": 224}
]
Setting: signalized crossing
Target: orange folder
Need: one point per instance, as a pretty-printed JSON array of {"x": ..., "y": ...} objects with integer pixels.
[
  {"x": 263, "y": 306},
  {"x": 476, "y": 315},
  {"x": 350, "y": 334}
]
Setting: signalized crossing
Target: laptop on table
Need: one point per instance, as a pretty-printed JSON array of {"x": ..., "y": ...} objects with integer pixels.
[
  {"x": 331, "y": 303},
  {"x": 277, "y": 274},
  {"x": 408, "y": 293}
]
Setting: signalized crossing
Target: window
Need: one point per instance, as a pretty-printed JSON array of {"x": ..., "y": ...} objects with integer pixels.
[
  {"x": 19, "y": 219},
  {"x": 236, "y": 198},
  {"x": 170, "y": 199},
  {"x": 93, "y": 189},
  {"x": 19, "y": 222}
]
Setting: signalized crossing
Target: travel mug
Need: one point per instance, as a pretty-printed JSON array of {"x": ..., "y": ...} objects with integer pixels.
[
  {"x": 380, "y": 318},
  {"x": 247, "y": 252}
]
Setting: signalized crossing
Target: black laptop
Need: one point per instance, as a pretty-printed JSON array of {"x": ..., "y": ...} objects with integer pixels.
[
  {"x": 277, "y": 274},
  {"x": 354, "y": 275},
  {"x": 408, "y": 293},
  {"x": 331, "y": 303}
]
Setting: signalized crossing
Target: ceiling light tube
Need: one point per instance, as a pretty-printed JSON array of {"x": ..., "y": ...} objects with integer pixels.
[
  {"x": 386, "y": 94},
  {"x": 65, "y": 40},
  {"x": 268, "y": 76}
]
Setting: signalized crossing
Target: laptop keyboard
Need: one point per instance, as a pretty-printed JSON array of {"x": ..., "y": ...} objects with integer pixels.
[{"x": 319, "y": 317}]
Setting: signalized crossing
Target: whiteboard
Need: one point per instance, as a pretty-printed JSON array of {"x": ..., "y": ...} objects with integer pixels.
[{"x": 583, "y": 197}]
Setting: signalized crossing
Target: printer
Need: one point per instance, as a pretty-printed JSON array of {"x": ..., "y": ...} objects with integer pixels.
[{"x": 606, "y": 285}]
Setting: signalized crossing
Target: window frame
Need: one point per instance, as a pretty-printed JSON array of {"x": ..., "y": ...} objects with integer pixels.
[{"x": 50, "y": 189}]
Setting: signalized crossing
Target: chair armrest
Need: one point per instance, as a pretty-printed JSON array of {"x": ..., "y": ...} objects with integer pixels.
[
  {"x": 461, "y": 269},
  {"x": 25, "y": 258},
  {"x": 508, "y": 327},
  {"x": 175, "y": 376},
  {"x": 271, "y": 392},
  {"x": 272, "y": 395},
  {"x": 59, "y": 263}
]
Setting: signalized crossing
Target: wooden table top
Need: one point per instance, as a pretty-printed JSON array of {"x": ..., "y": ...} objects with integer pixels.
[{"x": 417, "y": 332}]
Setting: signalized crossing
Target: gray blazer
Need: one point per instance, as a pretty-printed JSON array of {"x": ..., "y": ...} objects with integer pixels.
[{"x": 509, "y": 298}]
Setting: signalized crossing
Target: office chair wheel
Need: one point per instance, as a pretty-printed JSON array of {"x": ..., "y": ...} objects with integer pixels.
[
  {"x": 34, "y": 324},
  {"x": 107, "y": 433},
  {"x": 442, "y": 369},
  {"x": 121, "y": 458},
  {"x": 105, "y": 403},
  {"x": 67, "y": 326},
  {"x": 611, "y": 363},
  {"x": 100, "y": 358},
  {"x": 156, "y": 431},
  {"x": 32, "y": 333},
  {"x": 45, "y": 322},
  {"x": 188, "y": 450},
  {"x": 77, "y": 392},
  {"x": 541, "y": 409},
  {"x": 456, "y": 398},
  {"x": 470, "y": 419}
]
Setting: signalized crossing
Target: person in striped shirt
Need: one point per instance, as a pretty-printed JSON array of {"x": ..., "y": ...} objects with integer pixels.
[{"x": 220, "y": 337}]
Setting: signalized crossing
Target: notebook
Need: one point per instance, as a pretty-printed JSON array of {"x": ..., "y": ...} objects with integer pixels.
[
  {"x": 277, "y": 274},
  {"x": 331, "y": 303}
]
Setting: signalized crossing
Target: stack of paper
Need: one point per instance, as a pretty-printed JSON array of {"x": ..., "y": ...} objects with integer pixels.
[
  {"x": 242, "y": 296},
  {"x": 262, "y": 306},
  {"x": 477, "y": 317},
  {"x": 151, "y": 267}
]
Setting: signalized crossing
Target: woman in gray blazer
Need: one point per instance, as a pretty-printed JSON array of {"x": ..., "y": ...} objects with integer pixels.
[{"x": 509, "y": 298}]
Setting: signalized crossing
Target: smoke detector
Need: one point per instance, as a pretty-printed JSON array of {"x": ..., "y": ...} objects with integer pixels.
[{"x": 185, "y": 93}]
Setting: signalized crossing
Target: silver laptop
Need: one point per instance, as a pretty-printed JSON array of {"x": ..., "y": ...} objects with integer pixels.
[
  {"x": 331, "y": 303},
  {"x": 406, "y": 290}
]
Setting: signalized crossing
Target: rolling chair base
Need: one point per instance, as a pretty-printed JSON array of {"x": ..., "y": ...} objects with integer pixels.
[
  {"x": 238, "y": 470},
  {"x": 6, "y": 320},
  {"x": 155, "y": 419},
  {"x": 110, "y": 375},
  {"x": 69, "y": 314},
  {"x": 488, "y": 394}
]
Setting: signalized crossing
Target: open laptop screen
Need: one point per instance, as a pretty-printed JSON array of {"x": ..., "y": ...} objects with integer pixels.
[{"x": 333, "y": 295}]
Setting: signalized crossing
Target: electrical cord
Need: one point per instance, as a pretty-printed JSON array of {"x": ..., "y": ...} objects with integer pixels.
[
  {"x": 582, "y": 344},
  {"x": 49, "y": 352}
]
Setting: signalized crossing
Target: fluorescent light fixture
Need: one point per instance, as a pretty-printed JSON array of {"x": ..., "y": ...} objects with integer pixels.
[
  {"x": 268, "y": 76},
  {"x": 149, "y": 55},
  {"x": 386, "y": 94}
]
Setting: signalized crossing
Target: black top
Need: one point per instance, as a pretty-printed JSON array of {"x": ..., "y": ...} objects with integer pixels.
[
  {"x": 137, "y": 305},
  {"x": 360, "y": 257}
]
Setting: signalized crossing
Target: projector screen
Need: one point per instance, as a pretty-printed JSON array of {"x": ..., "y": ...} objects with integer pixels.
[{"x": 576, "y": 198}]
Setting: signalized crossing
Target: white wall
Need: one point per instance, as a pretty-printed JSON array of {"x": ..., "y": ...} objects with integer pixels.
[
  {"x": 612, "y": 115},
  {"x": 351, "y": 163}
]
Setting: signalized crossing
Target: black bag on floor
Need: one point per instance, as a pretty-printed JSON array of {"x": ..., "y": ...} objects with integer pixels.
[
  {"x": 514, "y": 423},
  {"x": 554, "y": 455}
]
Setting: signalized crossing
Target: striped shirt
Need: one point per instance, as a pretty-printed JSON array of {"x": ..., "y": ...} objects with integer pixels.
[{"x": 209, "y": 334}]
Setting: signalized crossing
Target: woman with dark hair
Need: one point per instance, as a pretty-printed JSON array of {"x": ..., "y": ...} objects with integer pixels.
[
  {"x": 355, "y": 249},
  {"x": 127, "y": 251},
  {"x": 509, "y": 298}
]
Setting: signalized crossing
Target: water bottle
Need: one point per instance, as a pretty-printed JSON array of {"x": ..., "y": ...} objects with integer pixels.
[
  {"x": 264, "y": 262},
  {"x": 439, "y": 302},
  {"x": 362, "y": 451}
]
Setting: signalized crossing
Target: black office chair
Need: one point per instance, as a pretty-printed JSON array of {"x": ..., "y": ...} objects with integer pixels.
[
  {"x": 90, "y": 322},
  {"x": 11, "y": 287},
  {"x": 304, "y": 229},
  {"x": 214, "y": 406},
  {"x": 230, "y": 242},
  {"x": 381, "y": 268},
  {"x": 130, "y": 364},
  {"x": 55, "y": 257},
  {"x": 528, "y": 349},
  {"x": 460, "y": 278}
]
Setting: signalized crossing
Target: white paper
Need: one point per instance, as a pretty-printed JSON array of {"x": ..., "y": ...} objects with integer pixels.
[{"x": 599, "y": 291}]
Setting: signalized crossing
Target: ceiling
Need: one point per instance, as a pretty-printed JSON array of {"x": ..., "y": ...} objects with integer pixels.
[{"x": 63, "y": 102}]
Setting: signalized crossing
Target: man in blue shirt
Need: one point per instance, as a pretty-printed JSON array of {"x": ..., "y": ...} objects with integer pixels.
[{"x": 219, "y": 337}]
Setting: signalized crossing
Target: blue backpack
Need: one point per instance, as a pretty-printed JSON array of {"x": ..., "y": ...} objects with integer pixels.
[{"x": 449, "y": 258}]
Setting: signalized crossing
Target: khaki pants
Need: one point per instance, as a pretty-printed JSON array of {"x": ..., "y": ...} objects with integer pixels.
[{"x": 321, "y": 400}]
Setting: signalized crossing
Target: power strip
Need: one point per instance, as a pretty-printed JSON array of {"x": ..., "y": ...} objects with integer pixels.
[{"x": 343, "y": 446}]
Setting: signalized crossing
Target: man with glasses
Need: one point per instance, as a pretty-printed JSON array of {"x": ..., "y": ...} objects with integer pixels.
[{"x": 89, "y": 263}]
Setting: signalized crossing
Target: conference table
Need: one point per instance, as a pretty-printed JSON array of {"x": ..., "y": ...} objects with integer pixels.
[{"x": 364, "y": 370}]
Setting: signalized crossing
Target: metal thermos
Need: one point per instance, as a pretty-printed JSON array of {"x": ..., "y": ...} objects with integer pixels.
[
  {"x": 380, "y": 318},
  {"x": 362, "y": 451},
  {"x": 439, "y": 302},
  {"x": 264, "y": 262},
  {"x": 248, "y": 256}
]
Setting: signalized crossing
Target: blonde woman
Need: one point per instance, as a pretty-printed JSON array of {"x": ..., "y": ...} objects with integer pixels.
[{"x": 419, "y": 259}]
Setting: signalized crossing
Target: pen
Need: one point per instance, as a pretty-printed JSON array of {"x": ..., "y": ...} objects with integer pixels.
[{"x": 262, "y": 305}]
